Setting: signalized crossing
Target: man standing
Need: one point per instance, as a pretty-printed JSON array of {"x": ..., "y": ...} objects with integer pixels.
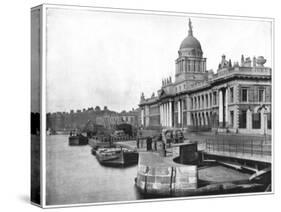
[{"x": 149, "y": 143}]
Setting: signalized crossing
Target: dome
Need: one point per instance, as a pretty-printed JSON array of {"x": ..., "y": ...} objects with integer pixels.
[{"x": 190, "y": 42}]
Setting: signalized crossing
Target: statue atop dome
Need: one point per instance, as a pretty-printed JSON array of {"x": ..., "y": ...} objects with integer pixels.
[{"x": 190, "y": 32}]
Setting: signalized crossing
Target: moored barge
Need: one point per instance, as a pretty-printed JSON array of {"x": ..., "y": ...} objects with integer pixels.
[
  {"x": 77, "y": 140},
  {"x": 116, "y": 156}
]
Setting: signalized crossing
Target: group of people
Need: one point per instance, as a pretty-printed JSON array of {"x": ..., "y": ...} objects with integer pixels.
[{"x": 165, "y": 138}]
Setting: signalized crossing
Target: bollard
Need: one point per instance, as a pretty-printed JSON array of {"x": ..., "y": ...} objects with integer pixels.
[
  {"x": 252, "y": 147},
  {"x": 261, "y": 148}
]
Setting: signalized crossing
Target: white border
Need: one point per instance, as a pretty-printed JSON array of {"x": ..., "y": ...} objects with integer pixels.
[{"x": 44, "y": 7}]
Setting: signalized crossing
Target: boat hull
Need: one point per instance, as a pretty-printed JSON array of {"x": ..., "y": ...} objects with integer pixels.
[
  {"x": 117, "y": 159},
  {"x": 77, "y": 140}
]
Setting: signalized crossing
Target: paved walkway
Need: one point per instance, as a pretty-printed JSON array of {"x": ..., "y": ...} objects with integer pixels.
[{"x": 201, "y": 147}]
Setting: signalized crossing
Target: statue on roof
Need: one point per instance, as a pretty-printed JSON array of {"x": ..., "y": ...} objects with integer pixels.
[
  {"x": 190, "y": 28},
  {"x": 142, "y": 96},
  {"x": 224, "y": 63}
]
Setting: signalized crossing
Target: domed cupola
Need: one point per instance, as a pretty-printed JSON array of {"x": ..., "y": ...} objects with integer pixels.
[
  {"x": 190, "y": 60},
  {"x": 190, "y": 46}
]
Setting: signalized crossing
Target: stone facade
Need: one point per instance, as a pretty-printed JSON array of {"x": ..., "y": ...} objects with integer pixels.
[{"x": 237, "y": 98}]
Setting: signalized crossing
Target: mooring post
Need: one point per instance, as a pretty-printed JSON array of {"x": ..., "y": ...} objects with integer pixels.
[
  {"x": 243, "y": 146},
  {"x": 252, "y": 147},
  {"x": 261, "y": 148}
]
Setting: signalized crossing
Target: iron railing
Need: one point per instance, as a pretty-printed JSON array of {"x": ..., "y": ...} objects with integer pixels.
[{"x": 251, "y": 147}]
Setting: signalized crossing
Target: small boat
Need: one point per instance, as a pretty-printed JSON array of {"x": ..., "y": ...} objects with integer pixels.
[
  {"x": 96, "y": 144},
  {"x": 117, "y": 156},
  {"x": 76, "y": 140}
]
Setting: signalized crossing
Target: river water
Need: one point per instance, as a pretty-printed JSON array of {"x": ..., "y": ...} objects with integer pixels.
[{"x": 75, "y": 176}]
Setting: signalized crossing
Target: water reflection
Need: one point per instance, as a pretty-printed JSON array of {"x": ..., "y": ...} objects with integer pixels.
[{"x": 75, "y": 176}]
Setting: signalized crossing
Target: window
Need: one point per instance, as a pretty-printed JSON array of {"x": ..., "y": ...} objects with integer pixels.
[
  {"x": 243, "y": 119},
  {"x": 215, "y": 98},
  {"x": 184, "y": 104},
  {"x": 261, "y": 95},
  {"x": 269, "y": 121},
  {"x": 256, "y": 120},
  {"x": 231, "y": 90},
  {"x": 244, "y": 94},
  {"x": 231, "y": 118}
]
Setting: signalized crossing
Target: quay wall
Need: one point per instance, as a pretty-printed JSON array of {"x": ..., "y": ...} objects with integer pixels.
[{"x": 159, "y": 177}]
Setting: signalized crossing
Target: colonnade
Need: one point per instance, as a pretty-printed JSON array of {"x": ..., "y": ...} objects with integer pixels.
[{"x": 166, "y": 116}]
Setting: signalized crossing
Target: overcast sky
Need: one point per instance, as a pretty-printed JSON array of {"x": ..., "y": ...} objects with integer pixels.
[{"x": 105, "y": 58}]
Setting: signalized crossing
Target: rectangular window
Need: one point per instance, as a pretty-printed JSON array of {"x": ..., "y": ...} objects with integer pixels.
[
  {"x": 231, "y": 94},
  {"x": 184, "y": 104},
  {"x": 244, "y": 94},
  {"x": 231, "y": 118},
  {"x": 215, "y": 98},
  {"x": 256, "y": 120},
  {"x": 243, "y": 119},
  {"x": 269, "y": 121},
  {"x": 261, "y": 95}
]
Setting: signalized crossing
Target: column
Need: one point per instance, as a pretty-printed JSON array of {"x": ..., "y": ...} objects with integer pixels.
[
  {"x": 170, "y": 114},
  {"x": 164, "y": 115},
  {"x": 188, "y": 113},
  {"x": 263, "y": 121},
  {"x": 249, "y": 120},
  {"x": 226, "y": 106},
  {"x": 181, "y": 110},
  {"x": 220, "y": 109},
  {"x": 167, "y": 113},
  {"x": 142, "y": 117},
  {"x": 179, "y": 113},
  {"x": 160, "y": 109}
]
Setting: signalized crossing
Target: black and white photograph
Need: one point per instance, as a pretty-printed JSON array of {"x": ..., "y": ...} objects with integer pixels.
[{"x": 136, "y": 105}]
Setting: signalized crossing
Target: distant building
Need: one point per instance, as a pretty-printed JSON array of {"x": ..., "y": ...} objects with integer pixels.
[
  {"x": 130, "y": 117},
  {"x": 107, "y": 118},
  {"x": 237, "y": 98}
]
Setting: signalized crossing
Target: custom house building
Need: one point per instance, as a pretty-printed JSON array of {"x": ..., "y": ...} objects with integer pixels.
[{"x": 235, "y": 99}]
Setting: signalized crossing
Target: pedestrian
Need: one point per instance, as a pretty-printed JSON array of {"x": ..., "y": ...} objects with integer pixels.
[
  {"x": 149, "y": 143},
  {"x": 140, "y": 137},
  {"x": 155, "y": 144},
  {"x": 138, "y": 142},
  {"x": 181, "y": 137},
  {"x": 176, "y": 137}
]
